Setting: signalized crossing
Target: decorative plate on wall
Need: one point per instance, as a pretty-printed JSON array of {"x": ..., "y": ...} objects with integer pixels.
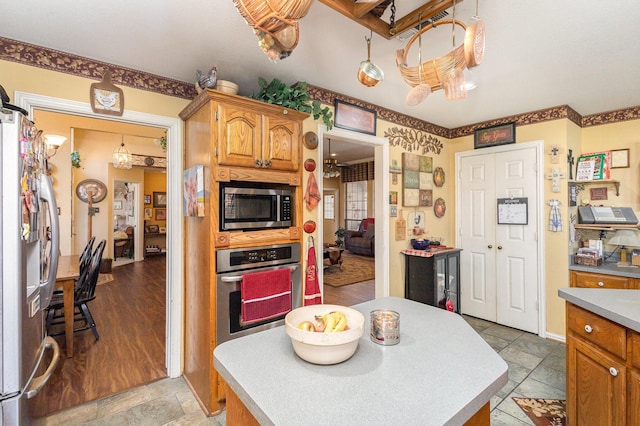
[
  {"x": 439, "y": 207},
  {"x": 97, "y": 188},
  {"x": 438, "y": 177}
]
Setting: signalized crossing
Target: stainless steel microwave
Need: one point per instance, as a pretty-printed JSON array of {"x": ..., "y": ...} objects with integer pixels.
[{"x": 254, "y": 207}]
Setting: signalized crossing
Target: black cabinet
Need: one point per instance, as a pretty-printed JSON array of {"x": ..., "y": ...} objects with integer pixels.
[{"x": 433, "y": 278}]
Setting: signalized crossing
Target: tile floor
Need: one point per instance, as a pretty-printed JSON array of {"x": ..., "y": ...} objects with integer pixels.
[{"x": 536, "y": 370}]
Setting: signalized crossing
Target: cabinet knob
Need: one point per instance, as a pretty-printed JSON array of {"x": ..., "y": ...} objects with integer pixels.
[
  {"x": 600, "y": 284},
  {"x": 588, "y": 328},
  {"x": 490, "y": 246},
  {"x": 613, "y": 372},
  {"x": 267, "y": 163},
  {"x": 499, "y": 247},
  {"x": 259, "y": 163}
]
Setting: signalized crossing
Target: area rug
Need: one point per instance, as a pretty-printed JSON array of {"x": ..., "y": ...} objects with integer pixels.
[
  {"x": 105, "y": 278},
  {"x": 544, "y": 412},
  {"x": 354, "y": 270}
]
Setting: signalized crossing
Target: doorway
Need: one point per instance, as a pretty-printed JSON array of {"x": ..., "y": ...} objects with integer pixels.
[
  {"x": 502, "y": 266},
  {"x": 172, "y": 277},
  {"x": 381, "y": 208}
]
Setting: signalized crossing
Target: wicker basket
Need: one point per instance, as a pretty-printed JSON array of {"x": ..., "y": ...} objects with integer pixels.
[
  {"x": 278, "y": 18},
  {"x": 435, "y": 70}
]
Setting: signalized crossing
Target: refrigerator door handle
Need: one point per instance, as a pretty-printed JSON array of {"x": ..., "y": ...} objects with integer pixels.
[
  {"x": 46, "y": 193},
  {"x": 38, "y": 382}
]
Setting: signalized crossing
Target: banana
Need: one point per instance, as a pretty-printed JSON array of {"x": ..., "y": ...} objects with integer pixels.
[
  {"x": 329, "y": 323},
  {"x": 341, "y": 324}
]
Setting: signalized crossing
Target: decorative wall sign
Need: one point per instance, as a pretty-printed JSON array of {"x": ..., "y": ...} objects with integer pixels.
[
  {"x": 147, "y": 198},
  {"x": 413, "y": 140},
  {"x": 354, "y": 117},
  {"x": 598, "y": 194},
  {"x": 105, "y": 97},
  {"x": 417, "y": 180},
  {"x": 501, "y": 134},
  {"x": 513, "y": 211}
]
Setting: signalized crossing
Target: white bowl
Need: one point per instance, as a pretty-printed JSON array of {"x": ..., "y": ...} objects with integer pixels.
[
  {"x": 324, "y": 348},
  {"x": 227, "y": 87}
]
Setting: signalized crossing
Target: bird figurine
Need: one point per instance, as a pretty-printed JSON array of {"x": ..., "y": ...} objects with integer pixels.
[{"x": 208, "y": 80}]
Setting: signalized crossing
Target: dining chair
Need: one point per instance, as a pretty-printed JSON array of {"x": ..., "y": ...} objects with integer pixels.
[{"x": 84, "y": 293}]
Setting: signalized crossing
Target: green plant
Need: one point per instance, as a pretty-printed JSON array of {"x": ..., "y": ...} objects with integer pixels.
[
  {"x": 75, "y": 159},
  {"x": 295, "y": 97},
  {"x": 163, "y": 143},
  {"x": 340, "y": 237}
]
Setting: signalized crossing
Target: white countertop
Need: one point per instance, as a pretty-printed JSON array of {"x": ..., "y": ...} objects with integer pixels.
[
  {"x": 442, "y": 372},
  {"x": 617, "y": 305}
]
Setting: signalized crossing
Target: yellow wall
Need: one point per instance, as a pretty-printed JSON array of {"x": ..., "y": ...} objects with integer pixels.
[
  {"x": 155, "y": 182},
  {"x": 17, "y": 77}
]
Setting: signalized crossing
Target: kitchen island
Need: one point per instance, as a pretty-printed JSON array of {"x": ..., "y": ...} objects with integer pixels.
[{"x": 441, "y": 373}]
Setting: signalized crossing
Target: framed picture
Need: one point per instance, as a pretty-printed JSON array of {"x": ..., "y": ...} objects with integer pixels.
[
  {"x": 162, "y": 229},
  {"x": 154, "y": 229},
  {"x": 147, "y": 198},
  {"x": 620, "y": 158},
  {"x": 356, "y": 118},
  {"x": 161, "y": 214},
  {"x": 117, "y": 205},
  {"x": 148, "y": 213},
  {"x": 159, "y": 199},
  {"x": 501, "y": 134}
]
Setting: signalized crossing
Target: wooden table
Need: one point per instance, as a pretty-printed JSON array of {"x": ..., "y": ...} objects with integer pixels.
[{"x": 68, "y": 272}]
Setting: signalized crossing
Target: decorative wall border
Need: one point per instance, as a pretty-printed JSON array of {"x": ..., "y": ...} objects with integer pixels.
[{"x": 54, "y": 60}]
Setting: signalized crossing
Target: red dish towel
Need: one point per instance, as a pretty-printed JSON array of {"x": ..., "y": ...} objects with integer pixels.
[
  {"x": 265, "y": 295},
  {"x": 312, "y": 295}
]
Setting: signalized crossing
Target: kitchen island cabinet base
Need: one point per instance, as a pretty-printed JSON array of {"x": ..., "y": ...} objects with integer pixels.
[{"x": 239, "y": 415}]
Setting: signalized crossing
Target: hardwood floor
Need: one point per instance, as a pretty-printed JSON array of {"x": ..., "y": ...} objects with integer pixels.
[
  {"x": 130, "y": 316},
  {"x": 351, "y": 294}
]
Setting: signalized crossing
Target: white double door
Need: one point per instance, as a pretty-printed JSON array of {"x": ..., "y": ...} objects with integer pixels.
[{"x": 499, "y": 263}]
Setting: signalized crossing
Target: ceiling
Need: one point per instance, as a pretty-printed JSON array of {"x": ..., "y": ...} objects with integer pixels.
[{"x": 539, "y": 53}]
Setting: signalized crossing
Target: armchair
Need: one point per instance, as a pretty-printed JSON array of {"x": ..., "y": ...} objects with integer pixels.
[{"x": 361, "y": 241}]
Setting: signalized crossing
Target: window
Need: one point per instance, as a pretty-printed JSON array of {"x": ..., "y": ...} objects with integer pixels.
[
  {"x": 329, "y": 206},
  {"x": 356, "y": 204}
]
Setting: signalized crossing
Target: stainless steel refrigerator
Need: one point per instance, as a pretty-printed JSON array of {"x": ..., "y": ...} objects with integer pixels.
[{"x": 29, "y": 251}]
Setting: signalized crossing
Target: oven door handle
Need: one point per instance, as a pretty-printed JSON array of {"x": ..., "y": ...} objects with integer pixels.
[{"x": 236, "y": 278}]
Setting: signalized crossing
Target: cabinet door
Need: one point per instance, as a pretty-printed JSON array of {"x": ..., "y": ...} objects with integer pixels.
[
  {"x": 239, "y": 137},
  {"x": 634, "y": 398},
  {"x": 596, "y": 386},
  {"x": 281, "y": 148}
]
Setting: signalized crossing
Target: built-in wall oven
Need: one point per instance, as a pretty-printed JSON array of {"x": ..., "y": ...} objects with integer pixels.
[{"x": 231, "y": 267}]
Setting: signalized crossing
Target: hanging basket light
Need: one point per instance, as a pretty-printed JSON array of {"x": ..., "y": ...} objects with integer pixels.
[
  {"x": 275, "y": 23},
  {"x": 122, "y": 158}
]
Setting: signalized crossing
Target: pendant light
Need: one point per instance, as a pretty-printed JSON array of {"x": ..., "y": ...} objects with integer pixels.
[
  {"x": 330, "y": 166},
  {"x": 121, "y": 157}
]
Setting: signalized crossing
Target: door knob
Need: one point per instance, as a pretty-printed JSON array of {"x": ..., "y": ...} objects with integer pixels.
[
  {"x": 490, "y": 246},
  {"x": 499, "y": 247}
]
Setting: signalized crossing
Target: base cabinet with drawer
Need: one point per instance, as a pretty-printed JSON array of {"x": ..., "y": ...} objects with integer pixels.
[
  {"x": 603, "y": 381},
  {"x": 593, "y": 280}
]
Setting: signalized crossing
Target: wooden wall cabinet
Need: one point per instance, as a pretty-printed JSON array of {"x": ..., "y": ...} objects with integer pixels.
[
  {"x": 603, "y": 381},
  {"x": 252, "y": 136},
  {"x": 236, "y": 139}
]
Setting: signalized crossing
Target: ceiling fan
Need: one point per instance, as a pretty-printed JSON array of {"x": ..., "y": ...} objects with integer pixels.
[{"x": 331, "y": 165}]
